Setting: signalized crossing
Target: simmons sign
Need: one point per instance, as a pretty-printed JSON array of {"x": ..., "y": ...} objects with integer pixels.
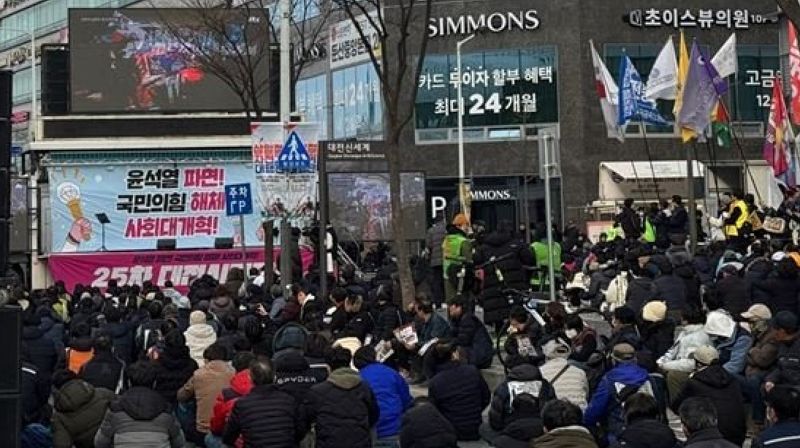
[{"x": 496, "y": 22}]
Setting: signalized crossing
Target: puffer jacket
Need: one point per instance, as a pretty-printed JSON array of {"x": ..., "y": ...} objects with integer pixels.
[
  {"x": 198, "y": 338},
  {"x": 708, "y": 438},
  {"x": 571, "y": 385},
  {"x": 647, "y": 433},
  {"x": 173, "y": 369},
  {"x": 344, "y": 410},
  {"x": 240, "y": 385},
  {"x": 424, "y": 426},
  {"x": 522, "y": 379},
  {"x": 79, "y": 410},
  {"x": 658, "y": 337},
  {"x": 223, "y": 306},
  {"x": 461, "y": 394},
  {"x": 511, "y": 255},
  {"x": 122, "y": 339},
  {"x": 206, "y": 383},
  {"x": 605, "y": 404},
  {"x": 104, "y": 370},
  {"x": 640, "y": 291},
  {"x": 470, "y": 334},
  {"x": 266, "y": 417},
  {"x": 139, "y": 419},
  {"x": 392, "y": 394},
  {"x": 293, "y": 373},
  {"x": 42, "y": 352},
  {"x": 678, "y": 356},
  {"x": 722, "y": 388},
  {"x": 568, "y": 436}
]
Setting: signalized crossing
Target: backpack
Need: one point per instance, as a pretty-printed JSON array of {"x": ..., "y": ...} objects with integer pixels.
[{"x": 616, "y": 291}]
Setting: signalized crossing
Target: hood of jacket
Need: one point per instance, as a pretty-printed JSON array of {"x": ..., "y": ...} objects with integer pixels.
[
  {"x": 524, "y": 372},
  {"x": 497, "y": 239},
  {"x": 222, "y": 302},
  {"x": 290, "y": 360},
  {"x": 713, "y": 376},
  {"x": 73, "y": 395},
  {"x": 628, "y": 373},
  {"x": 241, "y": 383},
  {"x": 345, "y": 378},
  {"x": 142, "y": 403}
]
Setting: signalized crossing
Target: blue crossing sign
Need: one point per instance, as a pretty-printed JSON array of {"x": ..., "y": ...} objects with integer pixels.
[
  {"x": 294, "y": 155},
  {"x": 238, "y": 200}
]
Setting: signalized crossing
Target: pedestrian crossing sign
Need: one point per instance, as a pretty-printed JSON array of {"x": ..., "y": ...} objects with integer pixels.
[{"x": 294, "y": 156}]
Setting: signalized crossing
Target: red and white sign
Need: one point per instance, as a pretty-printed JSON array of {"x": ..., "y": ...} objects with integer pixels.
[{"x": 134, "y": 268}]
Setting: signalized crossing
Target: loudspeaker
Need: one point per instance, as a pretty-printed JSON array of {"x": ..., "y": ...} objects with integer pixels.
[
  {"x": 166, "y": 244},
  {"x": 55, "y": 80},
  {"x": 223, "y": 243},
  {"x": 10, "y": 334},
  {"x": 6, "y": 84},
  {"x": 10, "y": 419}
]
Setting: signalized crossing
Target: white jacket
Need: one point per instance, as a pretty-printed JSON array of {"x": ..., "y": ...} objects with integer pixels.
[
  {"x": 198, "y": 338},
  {"x": 678, "y": 356},
  {"x": 572, "y": 385}
]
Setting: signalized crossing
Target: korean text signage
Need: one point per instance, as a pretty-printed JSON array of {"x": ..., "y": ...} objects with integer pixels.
[
  {"x": 144, "y": 204},
  {"x": 238, "y": 200},
  {"x": 346, "y": 45},
  {"x": 496, "y": 22},
  {"x": 133, "y": 268},
  {"x": 503, "y": 87},
  {"x": 347, "y": 151},
  {"x": 697, "y": 18}
]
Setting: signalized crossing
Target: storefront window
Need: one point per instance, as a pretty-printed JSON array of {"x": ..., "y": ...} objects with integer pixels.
[
  {"x": 357, "y": 107},
  {"x": 499, "y": 87},
  {"x": 310, "y": 98},
  {"x": 751, "y": 90}
]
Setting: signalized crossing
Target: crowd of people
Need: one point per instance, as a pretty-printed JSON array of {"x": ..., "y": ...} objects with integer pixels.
[{"x": 641, "y": 329}]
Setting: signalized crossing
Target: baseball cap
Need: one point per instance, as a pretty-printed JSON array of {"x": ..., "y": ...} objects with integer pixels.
[
  {"x": 758, "y": 311},
  {"x": 623, "y": 352},
  {"x": 705, "y": 354},
  {"x": 785, "y": 320},
  {"x": 460, "y": 220}
]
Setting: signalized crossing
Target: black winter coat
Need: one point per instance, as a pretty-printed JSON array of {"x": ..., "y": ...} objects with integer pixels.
[
  {"x": 524, "y": 378},
  {"x": 344, "y": 410},
  {"x": 658, "y": 337},
  {"x": 387, "y": 319},
  {"x": 511, "y": 255},
  {"x": 41, "y": 351},
  {"x": 293, "y": 374},
  {"x": 732, "y": 293},
  {"x": 461, "y": 394},
  {"x": 35, "y": 394},
  {"x": 719, "y": 386},
  {"x": 783, "y": 293},
  {"x": 708, "y": 438},
  {"x": 672, "y": 289},
  {"x": 519, "y": 432},
  {"x": 640, "y": 291},
  {"x": 692, "y": 282},
  {"x": 630, "y": 222},
  {"x": 425, "y": 427},
  {"x": 265, "y": 417},
  {"x": 647, "y": 433},
  {"x": 470, "y": 334},
  {"x": 758, "y": 270},
  {"x": 173, "y": 369},
  {"x": 103, "y": 370},
  {"x": 599, "y": 284},
  {"x": 122, "y": 339}
]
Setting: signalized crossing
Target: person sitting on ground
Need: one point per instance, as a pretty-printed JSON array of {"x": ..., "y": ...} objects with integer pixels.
[
  {"x": 469, "y": 334},
  {"x": 731, "y": 341},
  {"x": 522, "y": 345},
  {"x": 582, "y": 337},
  {"x": 561, "y": 421},
  {"x": 783, "y": 411},
  {"x": 568, "y": 381},
  {"x": 79, "y": 409},
  {"x": 423, "y": 426},
  {"x": 240, "y": 385},
  {"x": 523, "y": 378},
  {"x": 711, "y": 381},
  {"x": 458, "y": 391},
  {"x": 204, "y": 386},
  {"x": 523, "y": 425},
  {"x": 104, "y": 369},
  {"x": 199, "y": 336},
  {"x": 677, "y": 363},
  {"x": 266, "y": 416},
  {"x": 657, "y": 330},
  {"x": 390, "y": 390},
  {"x": 699, "y": 422},
  {"x": 140, "y": 417},
  {"x": 643, "y": 429}
]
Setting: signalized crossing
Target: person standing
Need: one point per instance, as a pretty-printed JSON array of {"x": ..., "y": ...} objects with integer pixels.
[
  {"x": 433, "y": 242},
  {"x": 630, "y": 221},
  {"x": 545, "y": 255},
  {"x": 734, "y": 220},
  {"x": 678, "y": 225},
  {"x": 266, "y": 416},
  {"x": 457, "y": 257}
]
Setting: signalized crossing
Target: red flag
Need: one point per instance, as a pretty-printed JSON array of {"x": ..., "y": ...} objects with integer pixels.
[
  {"x": 794, "y": 70},
  {"x": 776, "y": 150}
]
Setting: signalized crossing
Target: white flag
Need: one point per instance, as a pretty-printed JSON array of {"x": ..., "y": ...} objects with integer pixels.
[
  {"x": 663, "y": 80},
  {"x": 607, "y": 92},
  {"x": 725, "y": 60}
]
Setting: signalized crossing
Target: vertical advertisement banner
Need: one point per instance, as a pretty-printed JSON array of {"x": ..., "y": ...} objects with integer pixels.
[{"x": 285, "y": 165}]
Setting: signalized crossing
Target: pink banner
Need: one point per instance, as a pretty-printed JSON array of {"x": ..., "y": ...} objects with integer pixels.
[{"x": 134, "y": 268}]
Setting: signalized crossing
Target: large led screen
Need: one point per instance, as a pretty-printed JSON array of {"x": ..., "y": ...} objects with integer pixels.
[{"x": 167, "y": 60}]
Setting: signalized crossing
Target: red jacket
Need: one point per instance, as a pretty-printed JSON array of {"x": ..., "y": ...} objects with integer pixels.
[{"x": 240, "y": 386}]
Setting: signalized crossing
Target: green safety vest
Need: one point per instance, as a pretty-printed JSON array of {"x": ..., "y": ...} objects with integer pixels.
[
  {"x": 613, "y": 233},
  {"x": 649, "y": 231},
  {"x": 543, "y": 258},
  {"x": 451, "y": 251}
]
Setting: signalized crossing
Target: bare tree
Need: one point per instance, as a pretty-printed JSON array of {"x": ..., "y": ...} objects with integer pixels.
[{"x": 400, "y": 26}]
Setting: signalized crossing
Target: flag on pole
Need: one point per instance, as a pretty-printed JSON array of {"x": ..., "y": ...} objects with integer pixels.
[
  {"x": 663, "y": 79},
  {"x": 683, "y": 71},
  {"x": 701, "y": 92},
  {"x": 777, "y": 149},
  {"x": 607, "y": 92},
  {"x": 721, "y": 125},
  {"x": 725, "y": 60},
  {"x": 794, "y": 71},
  {"x": 632, "y": 104}
]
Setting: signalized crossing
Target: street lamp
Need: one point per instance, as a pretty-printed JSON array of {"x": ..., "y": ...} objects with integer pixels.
[
  {"x": 34, "y": 102},
  {"x": 462, "y": 186}
]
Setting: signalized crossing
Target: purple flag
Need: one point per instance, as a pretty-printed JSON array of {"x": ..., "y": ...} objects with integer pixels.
[{"x": 701, "y": 91}]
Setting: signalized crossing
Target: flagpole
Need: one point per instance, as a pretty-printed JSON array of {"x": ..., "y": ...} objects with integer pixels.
[
  {"x": 741, "y": 153},
  {"x": 705, "y": 195},
  {"x": 691, "y": 199},
  {"x": 638, "y": 182},
  {"x": 650, "y": 159}
]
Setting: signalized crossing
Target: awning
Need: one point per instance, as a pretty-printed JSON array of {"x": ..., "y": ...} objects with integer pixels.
[{"x": 664, "y": 169}]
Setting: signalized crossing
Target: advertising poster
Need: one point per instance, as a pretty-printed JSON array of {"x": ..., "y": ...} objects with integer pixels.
[
  {"x": 361, "y": 209},
  {"x": 133, "y": 268},
  {"x": 285, "y": 167},
  {"x": 346, "y": 45},
  {"x": 140, "y": 60},
  {"x": 144, "y": 204}
]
